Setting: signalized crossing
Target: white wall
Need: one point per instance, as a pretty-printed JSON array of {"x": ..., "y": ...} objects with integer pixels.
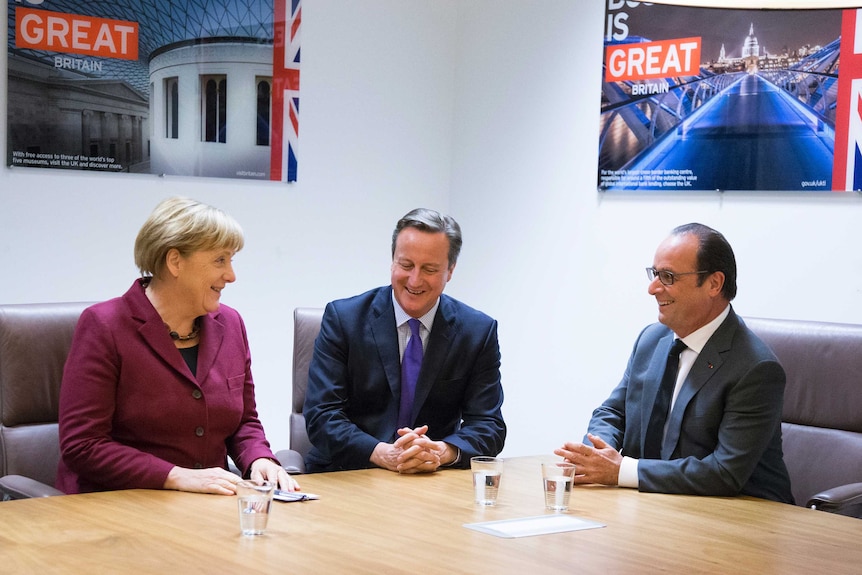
[
  {"x": 487, "y": 109},
  {"x": 375, "y": 142},
  {"x": 561, "y": 266}
]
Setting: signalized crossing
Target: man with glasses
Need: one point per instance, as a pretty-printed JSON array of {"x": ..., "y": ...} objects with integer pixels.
[{"x": 714, "y": 427}]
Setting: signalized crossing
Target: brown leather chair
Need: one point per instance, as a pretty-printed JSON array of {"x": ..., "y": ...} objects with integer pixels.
[
  {"x": 306, "y": 326},
  {"x": 822, "y": 418},
  {"x": 34, "y": 343}
]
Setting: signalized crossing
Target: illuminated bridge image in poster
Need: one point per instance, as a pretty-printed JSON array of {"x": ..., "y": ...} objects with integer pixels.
[{"x": 746, "y": 119}]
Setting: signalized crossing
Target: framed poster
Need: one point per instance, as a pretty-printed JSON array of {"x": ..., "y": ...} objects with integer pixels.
[
  {"x": 199, "y": 88},
  {"x": 697, "y": 99}
]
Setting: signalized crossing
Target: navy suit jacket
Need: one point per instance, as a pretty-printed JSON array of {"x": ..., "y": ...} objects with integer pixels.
[
  {"x": 724, "y": 432},
  {"x": 354, "y": 382}
]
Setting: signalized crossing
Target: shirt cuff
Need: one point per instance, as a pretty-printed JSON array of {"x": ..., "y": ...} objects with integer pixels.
[
  {"x": 628, "y": 473},
  {"x": 457, "y": 459}
]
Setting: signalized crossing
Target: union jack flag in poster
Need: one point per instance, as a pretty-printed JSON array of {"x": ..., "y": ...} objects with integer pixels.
[
  {"x": 847, "y": 168},
  {"x": 285, "y": 104}
]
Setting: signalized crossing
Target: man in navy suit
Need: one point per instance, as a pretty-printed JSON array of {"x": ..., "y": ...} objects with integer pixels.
[
  {"x": 353, "y": 408},
  {"x": 721, "y": 434}
]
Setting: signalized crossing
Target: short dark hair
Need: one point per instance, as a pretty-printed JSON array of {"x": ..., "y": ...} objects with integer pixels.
[
  {"x": 432, "y": 221},
  {"x": 714, "y": 254}
]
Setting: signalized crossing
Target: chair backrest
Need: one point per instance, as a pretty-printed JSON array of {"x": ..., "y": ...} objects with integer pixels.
[
  {"x": 34, "y": 343},
  {"x": 306, "y": 326},
  {"x": 822, "y": 418}
]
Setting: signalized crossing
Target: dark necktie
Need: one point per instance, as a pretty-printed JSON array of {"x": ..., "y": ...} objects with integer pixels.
[
  {"x": 655, "y": 429},
  {"x": 410, "y": 365}
]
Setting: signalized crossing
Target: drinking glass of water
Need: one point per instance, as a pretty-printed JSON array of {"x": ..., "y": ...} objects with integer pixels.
[
  {"x": 557, "y": 478},
  {"x": 255, "y": 500},
  {"x": 487, "y": 472}
]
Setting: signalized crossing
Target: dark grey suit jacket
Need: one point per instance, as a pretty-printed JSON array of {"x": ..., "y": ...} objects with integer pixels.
[
  {"x": 724, "y": 433},
  {"x": 354, "y": 382}
]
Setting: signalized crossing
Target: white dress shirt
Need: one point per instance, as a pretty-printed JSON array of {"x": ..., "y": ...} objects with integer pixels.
[{"x": 401, "y": 319}]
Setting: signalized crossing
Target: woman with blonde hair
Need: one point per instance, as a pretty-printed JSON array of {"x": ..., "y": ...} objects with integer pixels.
[{"x": 157, "y": 390}]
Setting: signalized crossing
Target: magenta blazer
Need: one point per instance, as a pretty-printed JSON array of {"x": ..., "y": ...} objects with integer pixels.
[{"x": 131, "y": 410}]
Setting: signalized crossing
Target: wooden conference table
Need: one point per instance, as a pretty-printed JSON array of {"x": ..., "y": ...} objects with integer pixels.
[{"x": 376, "y": 521}]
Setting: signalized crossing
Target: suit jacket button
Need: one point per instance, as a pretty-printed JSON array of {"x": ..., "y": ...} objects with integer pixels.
[
  {"x": 197, "y": 394},
  {"x": 199, "y": 431}
]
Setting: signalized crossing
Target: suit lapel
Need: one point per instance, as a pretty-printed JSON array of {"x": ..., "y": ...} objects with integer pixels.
[
  {"x": 153, "y": 333},
  {"x": 439, "y": 343},
  {"x": 707, "y": 364},
  {"x": 385, "y": 334},
  {"x": 152, "y": 330},
  {"x": 212, "y": 336}
]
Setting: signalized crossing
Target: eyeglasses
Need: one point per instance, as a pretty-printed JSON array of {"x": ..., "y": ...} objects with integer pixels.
[{"x": 666, "y": 277}]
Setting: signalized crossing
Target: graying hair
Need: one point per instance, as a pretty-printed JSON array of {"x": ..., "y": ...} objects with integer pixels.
[{"x": 428, "y": 220}]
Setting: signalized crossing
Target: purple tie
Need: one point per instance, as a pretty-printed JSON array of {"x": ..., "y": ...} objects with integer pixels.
[{"x": 410, "y": 364}]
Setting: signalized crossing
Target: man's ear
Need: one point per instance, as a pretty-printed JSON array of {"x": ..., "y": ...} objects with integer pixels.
[
  {"x": 716, "y": 283},
  {"x": 451, "y": 269}
]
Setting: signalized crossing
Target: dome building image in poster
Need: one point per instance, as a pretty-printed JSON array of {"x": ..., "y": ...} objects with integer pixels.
[{"x": 210, "y": 108}]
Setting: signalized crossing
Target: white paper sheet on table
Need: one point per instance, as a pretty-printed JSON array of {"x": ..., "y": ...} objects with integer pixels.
[{"x": 539, "y": 525}]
